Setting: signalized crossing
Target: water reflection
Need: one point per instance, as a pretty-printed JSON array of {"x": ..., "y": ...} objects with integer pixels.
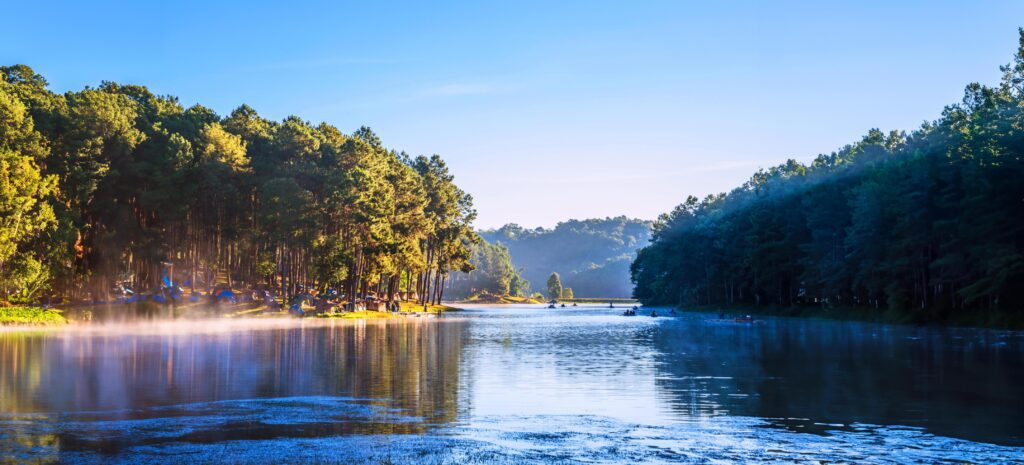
[
  {"x": 84, "y": 389},
  {"x": 816, "y": 375},
  {"x": 513, "y": 385}
]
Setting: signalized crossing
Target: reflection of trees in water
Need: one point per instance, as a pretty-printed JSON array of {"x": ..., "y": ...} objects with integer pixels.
[
  {"x": 960, "y": 383},
  {"x": 410, "y": 365},
  {"x": 20, "y": 377}
]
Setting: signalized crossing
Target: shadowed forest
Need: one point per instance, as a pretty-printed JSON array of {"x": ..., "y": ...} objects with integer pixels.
[{"x": 928, "y": 223}]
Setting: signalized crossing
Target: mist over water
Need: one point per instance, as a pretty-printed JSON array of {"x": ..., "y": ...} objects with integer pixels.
[{"x": 510, "y": 385}]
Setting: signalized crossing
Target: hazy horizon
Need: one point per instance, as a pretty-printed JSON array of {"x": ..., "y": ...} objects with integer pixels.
[{"x": 548, "y": 112}]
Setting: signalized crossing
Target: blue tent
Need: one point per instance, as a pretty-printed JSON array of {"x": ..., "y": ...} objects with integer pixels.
[{"x": 226, "y": 294}]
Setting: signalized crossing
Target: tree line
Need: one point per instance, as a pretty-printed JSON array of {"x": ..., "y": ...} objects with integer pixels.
[
  {"x": 591, "y": 256},
  {"x": 115, "y": 186},
  {"x": 493, "y": 273},
  {"x": 930, "y": 223}
]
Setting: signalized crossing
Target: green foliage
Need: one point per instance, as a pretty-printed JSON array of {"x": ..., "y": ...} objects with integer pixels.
[
  {"x": 30, "y": 316},
  {"x": 929, "y": 223},
  {"x": 592, "y": 256},
  {"x": 107, "y": 184},
  {"x": 22, "y": 277},
  {"x": 25, "y": 213},
  {"x": 567, "y": 293},
  {"x": 518, "y": 286},
  {"x": 554, "y": 286},
  {"x": 493, "y": 274}
]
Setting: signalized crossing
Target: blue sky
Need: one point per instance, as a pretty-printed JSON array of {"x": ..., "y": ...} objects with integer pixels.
[{"x": 547, "y": 110}]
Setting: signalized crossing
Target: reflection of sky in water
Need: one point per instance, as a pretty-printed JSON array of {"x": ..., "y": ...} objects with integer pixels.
[
  {"x": 550, "y": 365},
  {"x": 514, "y": 385}
]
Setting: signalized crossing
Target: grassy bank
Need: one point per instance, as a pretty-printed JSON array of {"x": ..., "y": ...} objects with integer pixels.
[
  {"x": 413, "y": 307},
  {"x": 407, "y": 307},
  {"x": 499, "y": 299},
  {"x": 981, "y": 319},
  {"x": 35, "y": 316},
  {"x": 594, "y": 300},
  {"x": 361, "y": 315},
  {"x": 153, "y": 311}
]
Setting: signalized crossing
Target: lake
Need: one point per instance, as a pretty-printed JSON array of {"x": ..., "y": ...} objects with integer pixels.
[{"x": 512, "y": 384}]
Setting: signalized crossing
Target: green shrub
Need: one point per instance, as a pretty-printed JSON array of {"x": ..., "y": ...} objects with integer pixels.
[{"x": 31, "y": 316}]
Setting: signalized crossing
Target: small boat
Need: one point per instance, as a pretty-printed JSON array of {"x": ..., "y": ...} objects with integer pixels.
[{"x": 551, "y": 306}]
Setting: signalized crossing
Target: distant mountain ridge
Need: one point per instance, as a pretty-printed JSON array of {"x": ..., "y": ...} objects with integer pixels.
[{"x": 592, "y": 256}]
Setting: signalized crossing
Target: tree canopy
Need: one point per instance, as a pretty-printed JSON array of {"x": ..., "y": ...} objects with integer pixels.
[
  {"x": 114, "y": 185},
  {"x": 554, "y": 286},
  {"x": 930, "y": 222}
]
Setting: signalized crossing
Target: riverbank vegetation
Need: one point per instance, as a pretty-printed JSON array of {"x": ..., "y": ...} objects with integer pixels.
[
  {"x": 485, "y": 298},
  {"x": 413, "y": 307},
  {"x": 591, "y": 256},
  {"x": 406, "y": 308},
  {"x": 930, "y": 223},
  {"x": 114, "y": 187},
  {"x": 36, "y": 316}
]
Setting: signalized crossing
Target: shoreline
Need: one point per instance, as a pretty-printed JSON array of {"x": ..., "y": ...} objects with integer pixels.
[
  {"x": 529, "y": 301},
  {"x": 35, "y": 318},
  {"x": 994, "y": 321}
]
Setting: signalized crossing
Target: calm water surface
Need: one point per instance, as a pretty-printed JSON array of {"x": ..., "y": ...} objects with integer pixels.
[{"x": 513, "y": 385}]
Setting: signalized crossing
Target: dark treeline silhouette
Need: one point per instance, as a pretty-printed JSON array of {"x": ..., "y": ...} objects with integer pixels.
[
  {"x": 592, "y": 256},
  {"x": 115, "y": 186},
  {"x": 929, "y": 223}
]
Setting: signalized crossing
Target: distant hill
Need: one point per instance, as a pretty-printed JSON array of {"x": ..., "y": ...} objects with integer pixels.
[
  {"x": 493, "y": 278},
  {"x": 591, "y": 256}
]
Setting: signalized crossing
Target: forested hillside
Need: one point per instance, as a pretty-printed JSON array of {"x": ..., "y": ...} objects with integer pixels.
[
  {"x": 117, "y": 186},
  {"x": 929, "y": 223},
  {"x": 591, "y": 256},
  {"x": 493, "y": 273}
]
